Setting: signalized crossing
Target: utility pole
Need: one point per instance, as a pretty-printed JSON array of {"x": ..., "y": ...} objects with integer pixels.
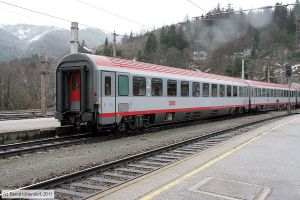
[
  {"x": 74, "y": 37},
  {"x": 297, "y": 31},
  {"x": 243, "y": 68},
  {"x": 44, "y": 72},
  {"x": 115, "y": 44},
  {"x": 268, "y": 69}
]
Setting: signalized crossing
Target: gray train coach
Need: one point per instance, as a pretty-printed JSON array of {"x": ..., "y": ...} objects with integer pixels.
[{"x": 100, "y": 92}]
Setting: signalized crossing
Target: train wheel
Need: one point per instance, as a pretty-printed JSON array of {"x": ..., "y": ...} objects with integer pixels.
[
  {"x": 146, "y": 124},
  {"x": 131, "y": 126},
  {"x": 121, "y": 126}
]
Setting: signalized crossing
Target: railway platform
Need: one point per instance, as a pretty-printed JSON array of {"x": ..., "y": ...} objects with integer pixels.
[
  {"x": 13, "y": 130},
  {"x": 262, "y": 164}
]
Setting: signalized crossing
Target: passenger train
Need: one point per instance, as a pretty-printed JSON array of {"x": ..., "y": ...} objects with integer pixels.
[{"x": 103, "y": 92}]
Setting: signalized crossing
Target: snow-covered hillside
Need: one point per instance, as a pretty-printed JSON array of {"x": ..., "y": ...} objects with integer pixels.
[{"x": 25, "y": 39}]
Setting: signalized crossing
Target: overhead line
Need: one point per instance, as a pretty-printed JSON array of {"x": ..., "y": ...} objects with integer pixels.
[
  {"x": 196, "y": 5},
  {"x": 51, "y": 16},
  {"x": 109, "y": 12}
]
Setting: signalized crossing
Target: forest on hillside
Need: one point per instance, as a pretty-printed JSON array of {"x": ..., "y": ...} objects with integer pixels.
[{"x": 263, "y": 37}]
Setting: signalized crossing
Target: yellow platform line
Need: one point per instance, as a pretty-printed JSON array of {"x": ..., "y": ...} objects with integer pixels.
[{"x": 179, "y": 180}]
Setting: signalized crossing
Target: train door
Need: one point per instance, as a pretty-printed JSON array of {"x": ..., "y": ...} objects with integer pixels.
[
  {"x": 108, "y": 105},
  {"x": 253, "y": 97},
  {"x": 74, "y": 91}
]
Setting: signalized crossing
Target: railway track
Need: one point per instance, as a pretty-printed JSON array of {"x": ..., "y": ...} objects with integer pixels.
[
  {"x": 45, "y": 144},
  {"x": 88, "y": 182},
  {"x": 50, "y": 143},
  {"x": 23, "y": 114}
]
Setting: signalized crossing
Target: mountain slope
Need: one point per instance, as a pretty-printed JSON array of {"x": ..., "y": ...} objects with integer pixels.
[{"x": 25, "y": 39}]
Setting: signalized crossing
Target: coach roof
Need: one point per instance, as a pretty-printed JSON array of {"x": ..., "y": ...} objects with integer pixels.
[{"x": 103, "y": 61}]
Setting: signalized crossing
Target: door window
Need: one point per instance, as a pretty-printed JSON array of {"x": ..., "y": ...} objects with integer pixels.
[{"x": 107, "y": 83}]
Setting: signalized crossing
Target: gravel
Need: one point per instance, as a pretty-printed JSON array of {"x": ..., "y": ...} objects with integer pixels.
[{"x": 30, "y": 168}]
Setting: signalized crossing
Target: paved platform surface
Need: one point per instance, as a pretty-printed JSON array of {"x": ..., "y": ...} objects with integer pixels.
[
  {"x": 262, "y": 164},
  {"x": 27, "y": 124}
]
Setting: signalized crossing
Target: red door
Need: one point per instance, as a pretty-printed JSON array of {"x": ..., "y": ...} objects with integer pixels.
[{"x": 75, "y": 91}]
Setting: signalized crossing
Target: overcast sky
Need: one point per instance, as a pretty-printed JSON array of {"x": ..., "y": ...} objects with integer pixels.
[{"x": 144, "y": 14}]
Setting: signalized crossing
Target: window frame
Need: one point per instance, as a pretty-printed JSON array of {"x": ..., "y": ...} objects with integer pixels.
[
  {"x": 161, "y": 91},
  {"x": 105, "y": 87},
  {"x": 185, "y": 83},
  {"x": 235, "y": 89},
  {"x": 203, "y": 89},
  {"x": 214, "y": 90},
  {"x": 171, "y": 81},
  {"x": 133, "y": 82},
  {"x": 241, "y": 91},
  {"x": 223, "y": 89},
  {"x": 229, "y": 91},
  {"x": 121, "y": 75},
  {"x": 194, "y": 92}
]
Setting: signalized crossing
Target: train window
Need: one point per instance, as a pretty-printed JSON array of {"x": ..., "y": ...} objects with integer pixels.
[
  {"x": 247, "y": 91},
  {"x": 205, "y": 90},
  {"x": 184, "y": 88},
  {"x": 258, "y": 92},
  {"x": 285, "y": 93},
  {"x": 157, "y": 87},
  {"x": 139, "y": 86},
  {"x": 229, "y": 91},
  {"x": 235, "y": 91},
  {"x": 123, "y": 85},
  {"x": 255, "y": 91},
  {"x": 172, "y": 88},
  {"x": 107, "y": 84},
  {"x": 263, "y": 92},
  {"x": 214, "y": 90},
  {"x": 222, "y": 90},
  {"x": 268, "y": 92},
  {"x": 241, "y": 91},
  {"x": 196, "y": 89},
  {"x": 272, "y": 93}
]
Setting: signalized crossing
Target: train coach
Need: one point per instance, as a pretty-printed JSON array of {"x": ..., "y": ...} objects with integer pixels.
[{"x": 99, "y": 91}]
